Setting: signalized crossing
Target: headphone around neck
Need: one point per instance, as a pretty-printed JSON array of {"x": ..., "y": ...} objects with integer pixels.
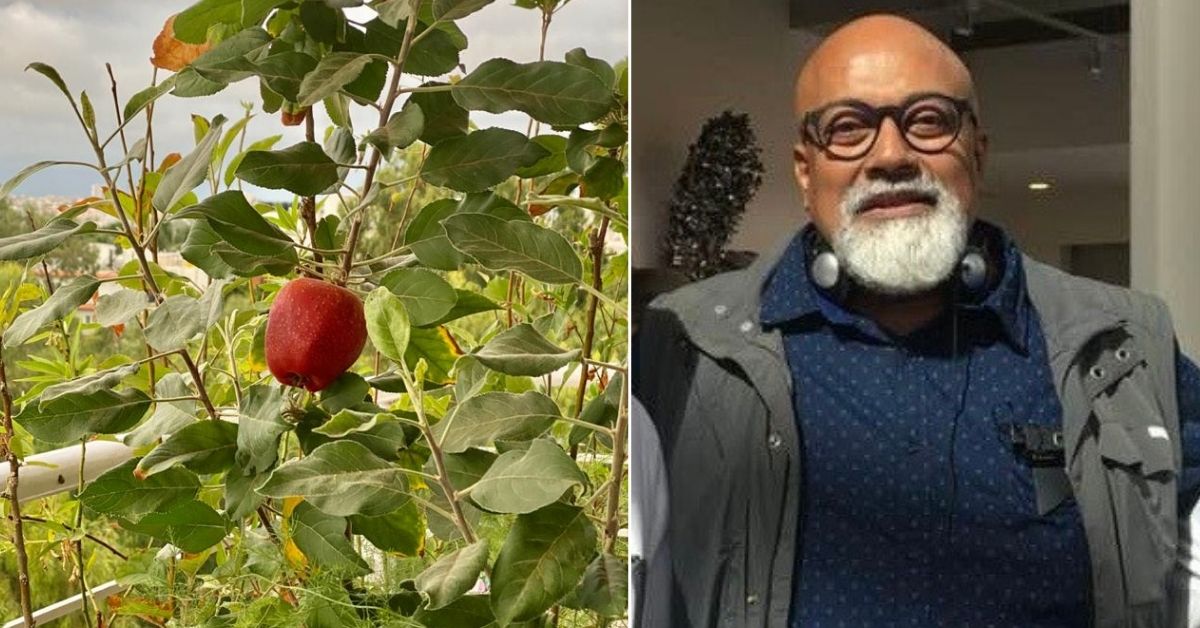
[{"x": 976, "y": 271}]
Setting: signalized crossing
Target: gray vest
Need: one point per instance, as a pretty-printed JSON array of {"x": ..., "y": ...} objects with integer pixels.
[{"x": 1112, "y": 356}]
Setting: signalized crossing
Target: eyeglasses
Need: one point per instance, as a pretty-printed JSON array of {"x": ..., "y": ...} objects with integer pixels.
[{"x": 847, "y": 129}]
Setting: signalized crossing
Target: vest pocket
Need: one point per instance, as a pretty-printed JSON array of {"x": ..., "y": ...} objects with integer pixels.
[{"x": 1139, "y": 467}]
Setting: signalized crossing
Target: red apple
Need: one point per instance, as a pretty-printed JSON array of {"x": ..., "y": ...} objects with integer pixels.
[{"x": 315, "y": 331}]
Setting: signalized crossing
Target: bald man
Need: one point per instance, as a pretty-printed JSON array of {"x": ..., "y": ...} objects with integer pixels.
[{"x": 896, "y": 418}]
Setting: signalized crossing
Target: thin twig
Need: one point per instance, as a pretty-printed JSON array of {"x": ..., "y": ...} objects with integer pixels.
[
  {"x": 95, "y": 539},
  {"x": 618, "y": 467},
  {"x": 385, "y": 112}
]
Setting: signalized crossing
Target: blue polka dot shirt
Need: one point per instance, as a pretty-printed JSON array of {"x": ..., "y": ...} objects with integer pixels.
[{"x": 916, "y": 509}]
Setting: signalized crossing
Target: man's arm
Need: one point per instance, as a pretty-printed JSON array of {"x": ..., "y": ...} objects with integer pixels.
[{"x": 1187, "y": 385}]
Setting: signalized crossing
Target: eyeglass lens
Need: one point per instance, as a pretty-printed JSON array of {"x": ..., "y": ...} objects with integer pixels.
[{"x": 929, "y": 125}]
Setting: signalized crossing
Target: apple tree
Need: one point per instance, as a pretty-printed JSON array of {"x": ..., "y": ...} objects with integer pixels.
[{"x": 394, "y": 398}]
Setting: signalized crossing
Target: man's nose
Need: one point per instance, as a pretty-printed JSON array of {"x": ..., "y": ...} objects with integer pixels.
[{"x": 891, "y": 158}]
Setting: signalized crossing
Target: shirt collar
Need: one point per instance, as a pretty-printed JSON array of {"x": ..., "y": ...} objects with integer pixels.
[{"x": 789, "y": 295}]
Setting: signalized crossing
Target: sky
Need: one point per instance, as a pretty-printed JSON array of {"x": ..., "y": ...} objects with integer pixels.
[{"x": 79, "y": 36}]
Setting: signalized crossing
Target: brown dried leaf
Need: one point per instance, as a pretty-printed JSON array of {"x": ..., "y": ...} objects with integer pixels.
[{"x": 172, "y": 54}]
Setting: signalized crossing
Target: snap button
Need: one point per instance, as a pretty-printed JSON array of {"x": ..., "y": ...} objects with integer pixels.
[
  {"x": 752, "y": 599},
  {"x": 1097, "y": 372},
  {"x": 1122, "y": 354},
  {"x": 746, "y": 326},
  {"x": 774, "y": 441},
  {"x": 720, "y": 310}
]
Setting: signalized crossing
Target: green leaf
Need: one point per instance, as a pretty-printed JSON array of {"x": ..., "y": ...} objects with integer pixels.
[
  {"x": 551, "y": 163},
  {"x": 52, "y": 74},
  {"x": 71, "y": 417},
  {"x": 493, "y": 205},
  {"x": 402, "y": 129},
  {"x": 402, "y": 530},
  {"x": 332, "y": 73},
  {"x": 556, "y": 93},
  {"x": 340, "y": 147},
  {"x": 241, "y": 226},
  {"x": 120, "y": 493},
  {"x": 387, "y": 323},
  {"x": 284, "y": 71},
  {"x": 521, "y": 350},
  {"x": 443, "y": 117},
  {"x": 433, "y": 345},
  {"x": 184, "y": 176},
  {"x": 261, "y": 145},
  {"x": 541, "y": 253},
  {"x": 41, "y": 241},
  {"x": 601, "y": 410},
  {"x": 192, "y": 24},
  {"x": 605, "y": 178},
  {"x": 348, "y": 421},
  {"x": 605, "y": 587},
  {"x": 189, "y": 84},
  {"x": 322, "y": 538},
  {"x": 88, "y": 112},
  {"x": 88, "y": 384},
  {"x": 347, "y": 390},
  {"x": 445, "y": 10},
  {"x": 425, "y": 295},
  {"x": 434, "y": 55},
  {"x": 480, "y": 160},
  {"x": 486, "y": 418},
  {"x": 66, "y": 299},
  {"x": 204, "y": 447},
  {"x": 260, "y": 423},
  {"x": 452, "y": 575},
  {"x": 198, "y": 250},
  {"x": 467, "y": 303},
  {"x": 393, "y": 12},
  {"x": 175, "y": 321},
  {"x": 302, "y": 169},
  {"x": 524, "y": 481},
  {"x": 234, "y": 58},
  {"x": 322, "y": 22},
  {"x": 427, "y": 240},
  {"x": 468, "y": 611},
  {"x": 341, "y": 478},
  {"x": 192, "y": 526},
  {"x": 337, "y": 107},
  {"x": 240, "y": 498},
  {"x": 600, "y": 68},
  {"x": 543, "y": 558},
  {"x": 168, "y": 417}
]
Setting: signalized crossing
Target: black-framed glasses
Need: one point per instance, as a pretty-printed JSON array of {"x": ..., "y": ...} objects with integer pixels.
[{"x": 847, "y": 129}]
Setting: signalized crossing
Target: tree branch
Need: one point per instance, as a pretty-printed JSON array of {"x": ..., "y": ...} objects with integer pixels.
[{"x": 14, "y": 466}]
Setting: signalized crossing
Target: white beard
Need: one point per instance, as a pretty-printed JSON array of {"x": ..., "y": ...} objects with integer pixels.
[{"x": 906, "y": 255}]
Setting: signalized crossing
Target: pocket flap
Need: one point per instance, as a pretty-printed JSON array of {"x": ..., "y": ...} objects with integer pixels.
[{"x": 1147, "y": 447}]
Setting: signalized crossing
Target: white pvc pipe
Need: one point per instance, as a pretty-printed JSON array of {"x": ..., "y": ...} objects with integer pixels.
[
  {"x": 70, "y": 605},
  {"x": 57, "y": 471}
]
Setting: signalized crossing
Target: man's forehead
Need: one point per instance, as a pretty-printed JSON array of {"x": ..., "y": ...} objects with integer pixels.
[{"x": 880, "y": 60}]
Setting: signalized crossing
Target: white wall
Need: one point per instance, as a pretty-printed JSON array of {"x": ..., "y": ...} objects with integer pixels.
[{"x": 695, "y": 59}]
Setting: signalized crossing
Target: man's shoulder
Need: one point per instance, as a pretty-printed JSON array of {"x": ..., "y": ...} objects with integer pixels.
[{"x": 1059, "y": 291}]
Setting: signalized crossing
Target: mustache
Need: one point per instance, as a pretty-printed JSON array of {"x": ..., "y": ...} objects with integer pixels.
[{"x": 877, "y": 193}]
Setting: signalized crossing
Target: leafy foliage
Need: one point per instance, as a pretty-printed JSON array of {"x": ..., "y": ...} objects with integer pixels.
[{"x": 459, "y": 473}]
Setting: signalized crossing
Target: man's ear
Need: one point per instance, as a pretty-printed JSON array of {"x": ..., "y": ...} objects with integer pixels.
[
  {"x": 801, "y": 169},
  {"x": 981, "y": 151}
]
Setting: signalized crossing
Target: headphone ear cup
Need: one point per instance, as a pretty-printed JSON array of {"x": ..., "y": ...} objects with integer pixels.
[
  {"x": 825, "y": 270},
  {"x": 973, "y": 271}
]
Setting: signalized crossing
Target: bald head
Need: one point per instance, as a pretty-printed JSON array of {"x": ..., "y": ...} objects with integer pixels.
[{"x": 875, "y": 57}]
